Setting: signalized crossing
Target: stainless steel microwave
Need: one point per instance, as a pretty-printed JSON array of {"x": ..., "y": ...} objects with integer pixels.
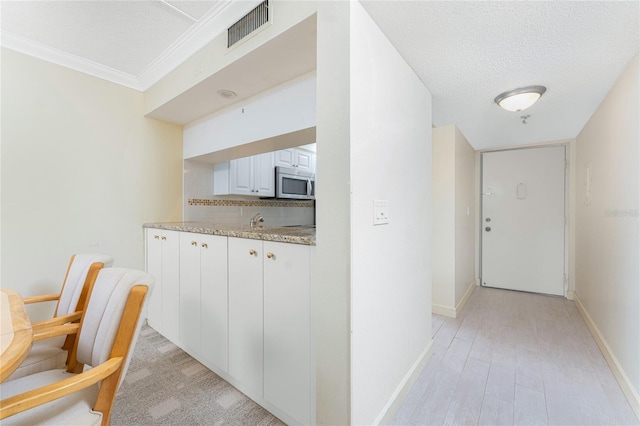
[{"x": 294, "y": 183}]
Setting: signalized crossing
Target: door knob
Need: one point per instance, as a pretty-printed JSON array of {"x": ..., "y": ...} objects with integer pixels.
[
  {"x": 488, "y": 229},
  {"x": 488, "y": 219}
]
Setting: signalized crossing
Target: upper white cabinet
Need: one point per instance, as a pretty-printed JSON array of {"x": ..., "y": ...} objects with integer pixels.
[
  {"x": 264, "y": 178},
  {"x": 246, "y": 176},
  {"x": 296, "y": 157},
  {"x": 163, "y": 255}
]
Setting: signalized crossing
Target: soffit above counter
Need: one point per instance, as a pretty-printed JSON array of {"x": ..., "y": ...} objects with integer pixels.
[{"x": 283, "y": 50}]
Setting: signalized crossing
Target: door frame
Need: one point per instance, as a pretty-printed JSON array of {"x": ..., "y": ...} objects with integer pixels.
[{"x": 568, "y": 293}]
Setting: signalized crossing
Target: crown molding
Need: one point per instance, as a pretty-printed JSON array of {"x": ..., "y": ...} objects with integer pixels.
[
  {"x": 209, "y": 27},
  {"x": 213, "y": 24},
  {"x": 68, "y": 60}
]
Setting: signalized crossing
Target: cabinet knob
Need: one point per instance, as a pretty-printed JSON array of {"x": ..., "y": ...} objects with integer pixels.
[
  {"x": 156, "y": 237},
  {"x": 164, "y": 238},
  {"x": 204, "y": 245},
  {"x": 252, "y": 252},
  {"x": 193, "y": 243},
  {"x": 270, "y": 255}
]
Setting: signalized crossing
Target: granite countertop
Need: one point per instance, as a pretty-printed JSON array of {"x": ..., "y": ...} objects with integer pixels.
[{"x": 285, "y": 234}]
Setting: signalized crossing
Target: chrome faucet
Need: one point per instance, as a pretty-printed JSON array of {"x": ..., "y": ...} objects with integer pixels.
[{"x": 255, "y": 220}]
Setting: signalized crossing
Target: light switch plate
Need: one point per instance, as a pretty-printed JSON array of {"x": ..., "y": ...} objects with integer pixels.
[{"x": 380, "y": 212}]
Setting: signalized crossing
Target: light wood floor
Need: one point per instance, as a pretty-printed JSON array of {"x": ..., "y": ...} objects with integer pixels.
[{"x": 515, "y": 358}]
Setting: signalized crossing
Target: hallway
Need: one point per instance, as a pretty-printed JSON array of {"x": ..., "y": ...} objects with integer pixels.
[{"x": 515, "y": 358}]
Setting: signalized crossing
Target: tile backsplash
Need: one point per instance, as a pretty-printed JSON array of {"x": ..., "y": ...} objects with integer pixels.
[
  {"x": 201, "y": 206},
  {"x": 238, "y": 212}
]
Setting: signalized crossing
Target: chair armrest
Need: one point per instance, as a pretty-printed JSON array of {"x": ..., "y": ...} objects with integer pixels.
[
  {"x": 33, "y": 398},
  {"x": 42, "y": 298},
  {"x": 58, "y": 330},
  {"x": 62, "y": 319}
]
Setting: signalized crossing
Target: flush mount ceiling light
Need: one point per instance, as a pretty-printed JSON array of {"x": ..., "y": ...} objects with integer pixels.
[
  {"x": 520, "y": 99},
  {"x": 227, "y": 94}
]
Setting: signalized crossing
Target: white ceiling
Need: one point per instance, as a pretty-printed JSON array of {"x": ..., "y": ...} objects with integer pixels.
[
  {"x": 466, "y": 52},
  {"x": 130, "y": 42}
]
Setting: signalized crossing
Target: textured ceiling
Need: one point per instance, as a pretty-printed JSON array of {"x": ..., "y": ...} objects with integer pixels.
[
  {"x": 466, "y": 52},
  {"x": 469, "y": 52}
]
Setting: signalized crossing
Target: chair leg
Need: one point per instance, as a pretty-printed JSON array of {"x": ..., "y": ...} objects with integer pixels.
[{"x": 107, "y": 395}]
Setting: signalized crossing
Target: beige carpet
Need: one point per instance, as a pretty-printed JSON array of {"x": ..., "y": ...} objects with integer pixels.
[{"x": 165, "y": 386}]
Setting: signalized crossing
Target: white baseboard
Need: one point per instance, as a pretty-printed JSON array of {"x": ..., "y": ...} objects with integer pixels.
[
  {"x": 466, "y": 297},
  {"x": 623, "y": 380},
  {"x": 452, "y": 312},
  {"x": 447, "y": 311},
  {"x": 397, "y": 398}
]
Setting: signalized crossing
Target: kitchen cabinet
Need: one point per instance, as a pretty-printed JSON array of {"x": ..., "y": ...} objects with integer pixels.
[
  {"x": 269, "y": 323},
  {"x": 246, "y": 176},
  {"x": 203, "y": 296},
  {"x": 296, "y": 157},
  {"x": 242, "y": 308},
  {"x": 245, "y": 312},
  {"x": 162, "y": 255},
  {"x": 287, "y": 369}
]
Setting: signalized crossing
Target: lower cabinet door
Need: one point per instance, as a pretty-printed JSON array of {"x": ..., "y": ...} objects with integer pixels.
[
  {"x": 245, "y": 312},
  {"x": 287, "y": 369},
  {"x": 190, "y": 291},
  {"x": 171, "y": 285},
  {"x": 163, "y": 262},
  {"x": 154, "y": 267},
  {"x": 213, "y": 301}
]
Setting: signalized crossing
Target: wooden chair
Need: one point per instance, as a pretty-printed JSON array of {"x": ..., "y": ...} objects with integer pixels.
[
  {"x": 106, "y": 336},
  {"x": 52, "y": 353}
]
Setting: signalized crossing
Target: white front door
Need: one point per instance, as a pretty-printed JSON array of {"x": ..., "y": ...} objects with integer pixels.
[{"x": 523, "y": 219}]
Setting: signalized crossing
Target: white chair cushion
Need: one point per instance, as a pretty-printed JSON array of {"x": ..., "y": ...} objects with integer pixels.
[
  {"x": 48, "y": 354},
  {"x": 44, "y": 355},
  {"x": 74, "y": 409},
  {"x": 75, "y": 279},
  {"x": 104, "y": 311}
]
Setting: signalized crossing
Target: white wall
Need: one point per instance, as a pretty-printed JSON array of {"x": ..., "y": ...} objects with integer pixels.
[
  {"x": 454, "y": 219},
  {"x": 331, "y": 294},
  {"x": 443, "y": 246},
  {"x": 607, "y": 230},
  {"x": 390, "y": 111},
  {"x": 465, "y": 219},
  {"x": 82, "y": 170}
]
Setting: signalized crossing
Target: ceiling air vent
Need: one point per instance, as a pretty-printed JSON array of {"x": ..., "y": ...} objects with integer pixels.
[{"x": 248, "y": 23}]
